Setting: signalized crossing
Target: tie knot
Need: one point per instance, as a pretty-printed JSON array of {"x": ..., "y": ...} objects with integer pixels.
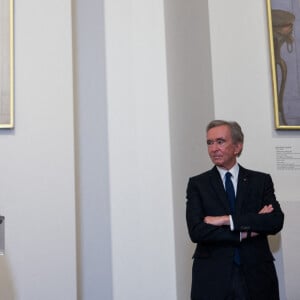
[{"x": 228, "y": 175}]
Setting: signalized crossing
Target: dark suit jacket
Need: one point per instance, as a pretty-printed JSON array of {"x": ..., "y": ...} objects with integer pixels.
[{"x": 213, "y": 257}]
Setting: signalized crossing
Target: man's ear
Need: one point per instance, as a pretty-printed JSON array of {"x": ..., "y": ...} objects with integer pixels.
[{"x": 238, "y": 149}]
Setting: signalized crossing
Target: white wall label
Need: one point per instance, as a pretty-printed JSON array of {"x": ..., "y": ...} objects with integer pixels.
[{"x": 287, "y": 158}]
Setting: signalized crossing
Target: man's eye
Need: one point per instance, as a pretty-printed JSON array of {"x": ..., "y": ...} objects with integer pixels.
[
  {"x": 220, "y": 142},
  {"x": 209, "y": 143}
]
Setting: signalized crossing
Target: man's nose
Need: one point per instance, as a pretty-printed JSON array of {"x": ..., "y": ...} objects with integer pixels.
[{"x": 214, "y": 147}]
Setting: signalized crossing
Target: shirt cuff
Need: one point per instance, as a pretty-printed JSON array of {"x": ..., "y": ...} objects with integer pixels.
[{"x": 231, "y": 223}]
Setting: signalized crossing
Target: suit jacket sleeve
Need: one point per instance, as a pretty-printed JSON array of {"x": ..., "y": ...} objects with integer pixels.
[
  {"x": 202, "y": 200},
  {"x": 260, "y": 192}
]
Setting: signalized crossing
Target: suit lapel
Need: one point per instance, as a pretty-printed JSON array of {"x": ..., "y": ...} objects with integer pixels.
[
  {"x": 218, "y": 187},
  {"x": 242, "y": 188}
]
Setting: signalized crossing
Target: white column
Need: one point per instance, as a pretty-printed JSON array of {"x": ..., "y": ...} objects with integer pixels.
[{"x": 139, "y": 151}]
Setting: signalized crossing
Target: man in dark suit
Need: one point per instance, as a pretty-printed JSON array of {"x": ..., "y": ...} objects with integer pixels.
[{"x": 232, "y": 259}]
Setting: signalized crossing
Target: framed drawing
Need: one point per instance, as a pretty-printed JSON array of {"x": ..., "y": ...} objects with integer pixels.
[
  {"x": 6, "y": 64},
  {"x": 284, "y": 35}
]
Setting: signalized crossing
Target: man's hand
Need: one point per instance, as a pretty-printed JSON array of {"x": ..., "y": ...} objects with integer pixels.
[
  {"x": 217, "y": 220},
  {"x": 266, "y": 209},
  {"x": 252, "y": 234}
]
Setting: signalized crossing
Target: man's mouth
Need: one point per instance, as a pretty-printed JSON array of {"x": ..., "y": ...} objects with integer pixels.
[{"x": 217, "y": 157}]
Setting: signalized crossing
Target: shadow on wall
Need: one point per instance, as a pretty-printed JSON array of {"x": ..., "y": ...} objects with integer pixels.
[
  {"x": 6, "y": 285},
  {"x": 275, "y": 242}
]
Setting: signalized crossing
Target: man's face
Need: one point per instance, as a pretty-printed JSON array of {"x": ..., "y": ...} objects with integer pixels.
[{"x": 221, "y": 149}]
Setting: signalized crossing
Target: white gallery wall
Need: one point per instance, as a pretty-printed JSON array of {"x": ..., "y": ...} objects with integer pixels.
[
  {"x": 37, "y": 194},
  {"x": 111, "y": 102}
]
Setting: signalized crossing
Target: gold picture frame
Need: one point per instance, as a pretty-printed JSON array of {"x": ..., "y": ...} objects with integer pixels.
[
  {"x": 285, "y": 61},
  {"x": 6, "y": 64}
]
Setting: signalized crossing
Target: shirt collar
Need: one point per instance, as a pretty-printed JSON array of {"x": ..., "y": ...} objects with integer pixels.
[{"x": 234, "y": 171}]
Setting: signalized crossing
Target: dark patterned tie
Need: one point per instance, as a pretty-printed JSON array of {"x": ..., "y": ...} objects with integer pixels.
[
  {"x": 230, "y": 192},
  {"x": 231, "y": 198}
]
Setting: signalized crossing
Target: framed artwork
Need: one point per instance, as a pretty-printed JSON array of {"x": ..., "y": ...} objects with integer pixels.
[
  {"x": 6, "y": 64},
  {"x": 284, "y": 35}
]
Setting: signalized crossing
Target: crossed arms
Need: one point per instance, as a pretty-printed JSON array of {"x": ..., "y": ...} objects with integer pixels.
[
  {"x": 208, "y": 222},
  {"x": 225, "y": 220}
]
